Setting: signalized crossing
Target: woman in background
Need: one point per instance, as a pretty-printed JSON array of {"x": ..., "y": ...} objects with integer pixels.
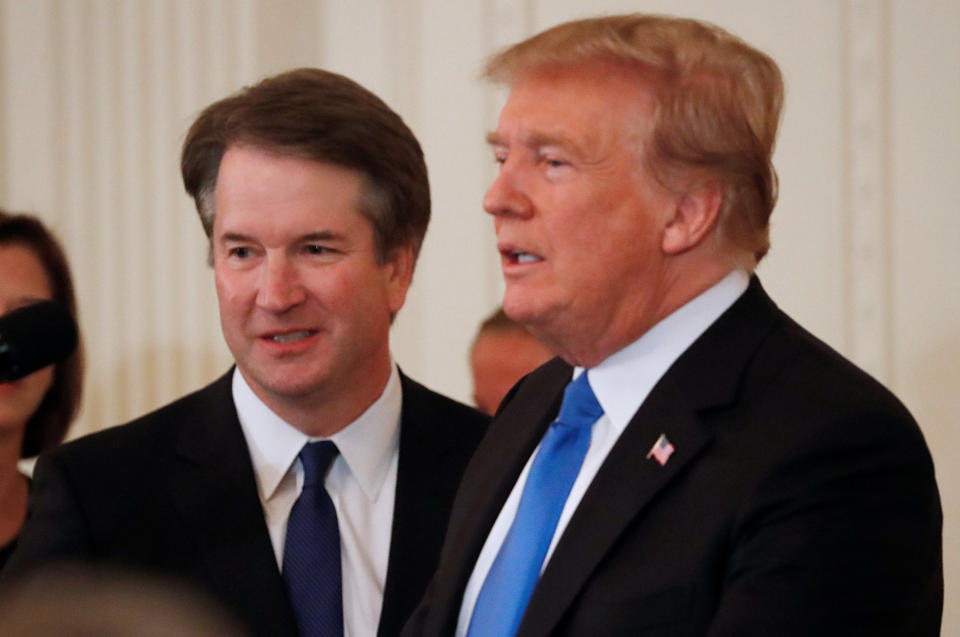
[{"x": 36, "y": 410}]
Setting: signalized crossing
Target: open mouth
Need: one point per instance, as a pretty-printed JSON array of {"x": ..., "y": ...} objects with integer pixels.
[
  {"x": 291, "y": 337},
  {"x": 520, "y": 257}
]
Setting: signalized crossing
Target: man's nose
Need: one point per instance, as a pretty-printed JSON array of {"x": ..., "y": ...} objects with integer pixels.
[
  {"x": 506, "y": 195},
  {"x": 280, "y": 285}
]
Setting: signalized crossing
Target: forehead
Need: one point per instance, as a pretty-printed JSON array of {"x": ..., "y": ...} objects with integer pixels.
[
  {"x": 588, "y": 104},
  {"x": 257, "y": 185},
  {"x": 23, "y": 272}
]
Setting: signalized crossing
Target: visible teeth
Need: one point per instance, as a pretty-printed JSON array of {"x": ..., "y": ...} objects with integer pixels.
[
  {"x": 523, "y": 257},
  {"x": 290, "y": 337}
]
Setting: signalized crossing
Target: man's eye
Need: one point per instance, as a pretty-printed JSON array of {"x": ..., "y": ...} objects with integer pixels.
[
  {"x": 316, "y": 249},
  {"x": 239, "y": 252},
  {"x": 555, "y": 163}
]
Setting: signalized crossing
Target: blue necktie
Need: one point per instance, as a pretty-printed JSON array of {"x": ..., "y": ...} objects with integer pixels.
[
  {"x": 509, "y": 584},
  {"x": 311, "y": 555}
]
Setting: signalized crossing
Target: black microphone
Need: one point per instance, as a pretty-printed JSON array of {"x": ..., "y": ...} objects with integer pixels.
[{"x": 33, "y": 337}]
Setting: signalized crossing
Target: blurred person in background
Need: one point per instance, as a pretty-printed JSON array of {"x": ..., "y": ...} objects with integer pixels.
[
  {"x": 36, "y": 410},
  {"x": 73, "y": 601},
  {"x": 502, "y": 353}
]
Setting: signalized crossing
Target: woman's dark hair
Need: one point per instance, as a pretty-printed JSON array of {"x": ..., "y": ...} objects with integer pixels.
[{"x": 47, "y": 426}]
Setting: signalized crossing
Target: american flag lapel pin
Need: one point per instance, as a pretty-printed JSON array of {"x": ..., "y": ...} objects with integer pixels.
[{"x": 661, "y": 450}]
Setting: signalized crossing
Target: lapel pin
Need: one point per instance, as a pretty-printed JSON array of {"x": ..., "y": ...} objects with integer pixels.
[{"x": 661, "y": 450}]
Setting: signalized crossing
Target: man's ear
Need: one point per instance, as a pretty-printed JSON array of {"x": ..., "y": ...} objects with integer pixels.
[
  {"x": 398, "y": 270},
  {"x": 694, "y": 217}
]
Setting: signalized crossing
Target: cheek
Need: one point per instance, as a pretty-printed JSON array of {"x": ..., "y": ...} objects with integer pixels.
[
  {"x": 231, "y": 289},
  {"x": 575, "y": 222},
  {"x": 363, "y": 289},
  {"x": 37, "y": 385}
]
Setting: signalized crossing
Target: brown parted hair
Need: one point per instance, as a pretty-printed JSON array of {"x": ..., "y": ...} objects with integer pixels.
[
  {"x": 325, "y": 117},
  {"x": 718, "y": 103},
  {"x": 48, "y": 426}
]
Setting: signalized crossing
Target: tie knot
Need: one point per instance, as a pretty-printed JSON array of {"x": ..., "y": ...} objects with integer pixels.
[
  {"x": 316, "y": 458},
  {"x": 579, "y": 407}
]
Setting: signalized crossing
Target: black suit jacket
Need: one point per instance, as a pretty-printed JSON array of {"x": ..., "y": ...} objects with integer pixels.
[
  {"x": 800, "y": 500},
  {"x": 174, "y": 493}
]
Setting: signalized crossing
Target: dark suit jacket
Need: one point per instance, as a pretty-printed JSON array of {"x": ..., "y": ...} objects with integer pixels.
[
  {"x": 174, "y": 493},
  {"x": 800, "y": 500}
]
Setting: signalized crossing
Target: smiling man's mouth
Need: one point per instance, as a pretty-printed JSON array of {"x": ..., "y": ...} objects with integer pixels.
[{"x": 291, "y": 337}]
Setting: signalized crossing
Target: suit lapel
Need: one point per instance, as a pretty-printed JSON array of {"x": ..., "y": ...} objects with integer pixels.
[
  {"x": 412, "y": 515},
  {"x": 631, "y": 480},
  {"x": 705, "y": 376},
  {"x": 427, "y": 478},
  {"x": 514, "y": 434},
  {"x": 519, "y": 427},
  {"x": 219, "y": 504}
]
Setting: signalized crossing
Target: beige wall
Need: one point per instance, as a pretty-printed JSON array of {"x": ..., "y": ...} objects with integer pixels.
[{"x": 95, "y": 96}]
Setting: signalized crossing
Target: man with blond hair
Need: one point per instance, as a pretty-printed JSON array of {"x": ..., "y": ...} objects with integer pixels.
[{"x": 697, "y": 463}]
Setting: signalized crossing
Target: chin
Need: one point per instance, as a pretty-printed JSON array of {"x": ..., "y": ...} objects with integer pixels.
[
  {"x": 295, "y": 387},
  {"x": 525, "y": 309},
  {"x": 288, "y": 384}
]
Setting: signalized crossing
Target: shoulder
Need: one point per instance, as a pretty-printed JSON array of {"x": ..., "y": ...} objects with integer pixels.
[
  {"x": 822, "y": 380},
  {"x": 762, "y": 358},
  {"x": 795, "y": 394},
  {"x": 428, "y": 414},
  {"x": 144, "y": 439}
]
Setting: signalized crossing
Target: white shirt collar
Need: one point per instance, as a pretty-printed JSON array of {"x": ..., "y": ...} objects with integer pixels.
[
  {"x": 648, "y": 358},
  {"x": 366, "y": 445}
]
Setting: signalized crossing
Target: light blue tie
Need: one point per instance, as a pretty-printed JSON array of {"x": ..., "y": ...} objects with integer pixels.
[
  {"x": 507, "y": 589},
  {"x": 311, "y": 555}
]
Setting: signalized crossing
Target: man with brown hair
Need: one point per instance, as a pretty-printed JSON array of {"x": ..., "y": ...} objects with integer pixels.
[
  {"x": 697, "y": 464},
  {"x": 308, "y": 489}
]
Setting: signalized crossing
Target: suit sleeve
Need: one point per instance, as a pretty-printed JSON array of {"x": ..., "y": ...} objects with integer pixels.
[
  {"x": 55, "y": 529},
  {"x": 843, "y": 539}
]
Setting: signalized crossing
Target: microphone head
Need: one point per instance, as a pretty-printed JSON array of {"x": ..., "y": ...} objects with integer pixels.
[{"x": 33, "y": 337}]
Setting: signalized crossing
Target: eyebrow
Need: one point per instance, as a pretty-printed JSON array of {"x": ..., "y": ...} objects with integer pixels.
[
  {"x": 537, "y": 140},
  {"x": 495, "y": 139},
  {"x": 320, "y": 235},
  {"x": 323, "y": 235}
]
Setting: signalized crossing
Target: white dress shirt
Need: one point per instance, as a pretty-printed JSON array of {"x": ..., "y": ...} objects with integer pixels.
[
  {"x": 362, "y": 484},
  {"x": 621, "y": 383}
]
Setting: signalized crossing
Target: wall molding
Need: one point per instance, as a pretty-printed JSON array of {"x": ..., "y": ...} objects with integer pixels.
[{"x": 867, "y": 196}]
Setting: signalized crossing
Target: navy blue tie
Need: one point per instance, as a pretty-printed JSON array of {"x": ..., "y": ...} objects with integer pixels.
[
  {"x": 311, "y": 554},
  {"x": 507, "y": 589}
]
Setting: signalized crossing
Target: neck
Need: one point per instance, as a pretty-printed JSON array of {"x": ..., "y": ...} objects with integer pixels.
[
  {"x": 13, "y": 487},
  {"x": 341, "y": 401},
  {"x": 633, "y": 320}
]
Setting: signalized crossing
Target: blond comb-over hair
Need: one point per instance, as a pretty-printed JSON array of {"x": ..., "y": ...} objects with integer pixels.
[{"x": 718, "y": 103}]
